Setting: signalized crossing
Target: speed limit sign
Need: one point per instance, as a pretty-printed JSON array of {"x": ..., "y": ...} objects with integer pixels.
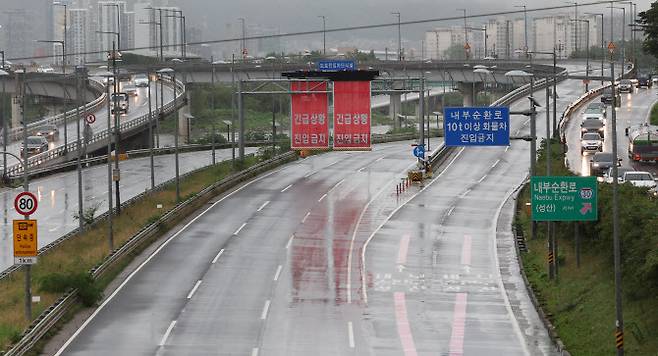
[
  {"x": 25, "y": 203},
  {"x": 90, "y": 118}
]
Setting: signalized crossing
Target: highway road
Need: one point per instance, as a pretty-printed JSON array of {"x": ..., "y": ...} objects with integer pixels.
[
  {"x": 58, "y": 194},
  {"x": 277, "y": 267},
  {"x": 138, "y": 106},
  {"x": 634, "y": 111}
]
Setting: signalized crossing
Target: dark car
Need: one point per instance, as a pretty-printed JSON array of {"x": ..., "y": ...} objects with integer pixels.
[
  {"x": 592, "y": 125},
  {"x": 600, "y": 163},
  {"x": 35, "y": 145},
  {"x": 607, "y": 97},
  {"x": 644, "y": 81}
]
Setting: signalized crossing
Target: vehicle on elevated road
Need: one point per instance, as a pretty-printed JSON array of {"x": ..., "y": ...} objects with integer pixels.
[
  {"x": 625, "y": 86},
  {"x": 141, "y": 80},
  {"x": 592, "y": 125},
  {"x": 50, "y": 132},
  {"x": 643, "y": 145},
  {"x": 601, "y": 162},
  {"x": 644, "y": 81},
  {"x": 607, "y": 97},
  {"x": 35, "y": 145},
  {"x": 591, "y": 142},
  {"x": 593, "y": 114},
  {"x": 597, "y": 106}
]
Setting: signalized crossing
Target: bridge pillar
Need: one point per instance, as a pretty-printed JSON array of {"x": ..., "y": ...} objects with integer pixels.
[
  {"x": 395, "y": 107},
  {"x": 15, "y": 112},
  {"x": 469, "y": 91}
]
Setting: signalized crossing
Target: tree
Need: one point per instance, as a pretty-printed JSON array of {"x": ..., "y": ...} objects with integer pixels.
[{"x": 649, "y": 22}]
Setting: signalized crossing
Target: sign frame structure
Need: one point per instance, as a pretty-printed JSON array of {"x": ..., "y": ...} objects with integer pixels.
[
  {"x": 564, "y": 198},
  {"x": 321, "y": 101},
  {"x": 25, "y": 241},
  {"x": 364, "y": 129},
  {"x": 22, "y": 211},
  {"x": 336, "y": 65},
  {"x": 461, "y": 126}
]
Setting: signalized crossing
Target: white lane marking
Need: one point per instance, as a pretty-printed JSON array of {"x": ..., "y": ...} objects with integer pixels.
[
  {"x": 306, "y": 217},
  {"x": 214, "y": 260},
  {"x": 266, "y": 308},
  {"x": 254, "y": 351},
  {"x": 263, "y": 206},
  {"x": 337, "y": 184},
  {"x": 286, "y": 188},
  {"x": 379, "y": 159},
  {"x": 240, "y": 228},
  {"x": 278, "y": 273},
  {"x": 196, "y": 286},
  {"x": 155, "y": 253},
  {"x": 361, "y": 169},
  {"x": 464, "y": 194},
  {"x": 322, "y": 197},
  {"x": 451, "y": 210},
  {"x": 483, "y": 178},
  {"x": 496, "y": 163},
  {"x": 364, "y": 290},
  {"x": 310, "y": 174},
  {"x": 166, "y": 335},
  {"x": 350, "y": 334},
  {"x": 290, "y": 241}
]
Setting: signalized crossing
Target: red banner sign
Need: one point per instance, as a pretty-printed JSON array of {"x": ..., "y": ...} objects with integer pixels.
[
  {"x": 309, "y": 111},
  {"x": 352, "y": 115}
]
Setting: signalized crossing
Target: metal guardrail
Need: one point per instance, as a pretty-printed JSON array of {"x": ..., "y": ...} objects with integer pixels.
[
  {"x": 60, "y": 151},
  {"x": 51, "y": 316},
  {"x": 17, "y": 132}
]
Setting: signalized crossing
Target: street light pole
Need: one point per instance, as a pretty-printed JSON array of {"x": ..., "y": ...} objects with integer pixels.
[
  {"x": 65, "y": 6},
  {"x": 602, "y": 44},
  {"x": 525, "y": 29},
  {"x": 587, "y": 61},
  {"x": 623, "y": 36},
  {"x": 66, "y": 129},
  {"x": 324, "y": 35},
  {"x": 397, "y": 13},
  {"x": 3, "y": 73},
  {"x": 151, "y": 132},
  {"x": 466, "y": 46}
]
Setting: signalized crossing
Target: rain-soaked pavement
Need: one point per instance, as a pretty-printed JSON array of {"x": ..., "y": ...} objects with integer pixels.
[
  {"x": 58, "y": 194},
  {"x": 323, "y": 257}
]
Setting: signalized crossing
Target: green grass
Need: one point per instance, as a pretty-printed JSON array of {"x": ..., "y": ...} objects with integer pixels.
[
  {"x": 83, "y": 251},
  {"x": 653, "y": 117},
  {"x": 581, "y": 303}
]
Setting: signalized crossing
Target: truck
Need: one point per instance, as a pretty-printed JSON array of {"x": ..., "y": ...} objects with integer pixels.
[{"x": 643, "y": 145}]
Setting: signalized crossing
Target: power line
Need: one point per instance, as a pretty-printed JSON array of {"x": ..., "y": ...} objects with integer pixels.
[{"x": 342, "y": 29}]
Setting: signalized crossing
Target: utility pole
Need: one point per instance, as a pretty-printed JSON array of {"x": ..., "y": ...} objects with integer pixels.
[
  {"x": 525, "y": 29},
  {"x": 20, "y": 97},
  {"x": 79, "y": 72},
  {"x": 4, "y": 118},
  {"x": 117, "y": 138}
]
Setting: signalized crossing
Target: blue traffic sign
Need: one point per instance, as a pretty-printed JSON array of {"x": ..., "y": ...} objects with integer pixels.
[
  {"x": 419, "y": 151},
  {"x": 476, "y": 126},
  {"x": 334, "y": 66}
]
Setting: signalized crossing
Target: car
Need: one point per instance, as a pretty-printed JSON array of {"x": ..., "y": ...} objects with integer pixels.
[
  {"x": 644, "y": 81},
  {"x": 50, "y": 132},
  {"x": 608, "y": 96},
  {"x": 592, "y": 125},
  {"x": 654, "y": 79},
  {"x": 121, "y": 100},
  {"x": 130, "y": 89},
  {"x": 45, "y": 69},
  {"x": 598, "y": 106},
  {"x": 600, "y": 162},
  {"x": 35, "y": 145},
  {"x": 607, "y": 176},
  {"x": 640, "y": 179},
  {"x": 141, "y": 80},
  {"x": 593, "y": 114},
  {"x": 625, "y": 86},
  {"x": 591, "y": 142}
]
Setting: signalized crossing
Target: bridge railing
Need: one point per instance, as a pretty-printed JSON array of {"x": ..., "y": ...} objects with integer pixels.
[
  {"x": 61, "y": 151},
  {"x": 17, "y": 132}
]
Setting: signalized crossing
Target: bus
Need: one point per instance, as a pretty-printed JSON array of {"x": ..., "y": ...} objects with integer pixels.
[{"x": 643, "y": 145}]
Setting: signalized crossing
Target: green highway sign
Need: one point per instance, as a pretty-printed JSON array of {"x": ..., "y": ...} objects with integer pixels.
[{"x": 563, "y": 198}]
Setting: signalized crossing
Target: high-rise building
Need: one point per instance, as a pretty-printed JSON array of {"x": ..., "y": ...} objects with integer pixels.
[
  {"x": 111, "y": 18},
  {"x": 444, "y": 43},
  {"x": 78, "y": 40},
  {"x": 23, "y": 23}
]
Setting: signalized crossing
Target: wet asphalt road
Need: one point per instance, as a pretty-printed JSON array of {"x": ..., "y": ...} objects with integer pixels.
[
  {"x": 634, "y": 111},
  {"x": 58, "y": 194},
  {"x": 277, "y": 268},
  {"x": 138, "y": 106}
]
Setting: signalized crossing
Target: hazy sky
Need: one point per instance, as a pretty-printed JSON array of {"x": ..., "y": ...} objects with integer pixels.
[{"x": 301, "y": 15}]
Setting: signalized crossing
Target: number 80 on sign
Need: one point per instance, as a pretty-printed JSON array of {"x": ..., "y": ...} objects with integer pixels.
[{"x": 25, "y": 203}]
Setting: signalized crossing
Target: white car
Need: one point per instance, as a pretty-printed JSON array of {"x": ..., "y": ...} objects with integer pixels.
[
  {"x": 593, "y": 114},
  {"x": 640, "y": 179},
  {"x": 591, "y": 142},
  {"x": 607, "y": 176},
  {"x": 141, "y": 80}
]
